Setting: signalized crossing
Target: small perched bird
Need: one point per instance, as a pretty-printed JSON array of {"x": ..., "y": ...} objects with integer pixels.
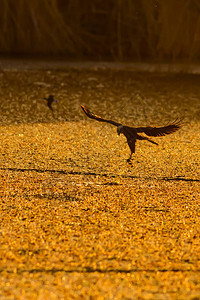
[
  {"x": 50, "y": 100},
  {"x": 131, "y": 133}
]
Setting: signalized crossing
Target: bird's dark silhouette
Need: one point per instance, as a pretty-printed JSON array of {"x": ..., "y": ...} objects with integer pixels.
[
  {"x": 50, "y": 100},
  {"x": 131, "y": 133}
]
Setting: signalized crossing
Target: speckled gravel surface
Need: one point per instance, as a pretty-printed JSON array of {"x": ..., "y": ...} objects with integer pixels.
[{"x": 78, "y": 221}]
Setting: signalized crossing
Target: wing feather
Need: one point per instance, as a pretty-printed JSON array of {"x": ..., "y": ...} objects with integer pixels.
[
  {"x": 98, "y": 118},
  {"x": 160, "y": 131}
]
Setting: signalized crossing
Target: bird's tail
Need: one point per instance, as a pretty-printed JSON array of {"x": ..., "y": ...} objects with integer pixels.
[
  {"x": 152, "y": 142},
  {"x": 147, "y": 139}
]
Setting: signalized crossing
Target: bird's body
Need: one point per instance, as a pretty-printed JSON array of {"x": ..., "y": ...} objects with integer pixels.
[
  {"x": 131, "y": 133},
  {"x": 50, "y": 100},
  {"x": 131, "y": 136}
]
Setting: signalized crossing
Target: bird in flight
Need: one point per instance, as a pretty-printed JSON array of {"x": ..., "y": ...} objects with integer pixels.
[
  {"x": 50, "y": 100},
  {"x": 131, "y": 133}
]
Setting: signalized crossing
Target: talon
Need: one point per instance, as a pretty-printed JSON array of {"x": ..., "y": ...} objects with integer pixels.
[{"x": 129, "y": 160}]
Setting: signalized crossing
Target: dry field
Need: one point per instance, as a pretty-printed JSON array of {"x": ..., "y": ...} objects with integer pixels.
[{"x": 78, "y": 221}]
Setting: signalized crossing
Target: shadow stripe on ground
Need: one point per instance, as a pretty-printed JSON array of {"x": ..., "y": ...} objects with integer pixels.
[
  {"x": 96, "y": 270},
  {"x": 178, "y": 178}
]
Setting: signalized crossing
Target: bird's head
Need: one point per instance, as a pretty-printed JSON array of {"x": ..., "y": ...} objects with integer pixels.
[
  {"x": 52, "y": 99},
  {"x": 119, "y": 129}
]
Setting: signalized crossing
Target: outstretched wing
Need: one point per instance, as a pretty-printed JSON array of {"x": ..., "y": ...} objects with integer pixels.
[
  {"x": 160, "y": 131},
  {"x": 98, "y": 118}
]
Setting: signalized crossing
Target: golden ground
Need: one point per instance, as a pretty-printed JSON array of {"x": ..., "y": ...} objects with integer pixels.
[{"x": 78, "y": 221}]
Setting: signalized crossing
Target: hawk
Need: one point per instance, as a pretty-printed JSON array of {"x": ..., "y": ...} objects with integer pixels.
[
  {"x": 131, "y": 133},
  {"x": 50, "y": 100}
]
